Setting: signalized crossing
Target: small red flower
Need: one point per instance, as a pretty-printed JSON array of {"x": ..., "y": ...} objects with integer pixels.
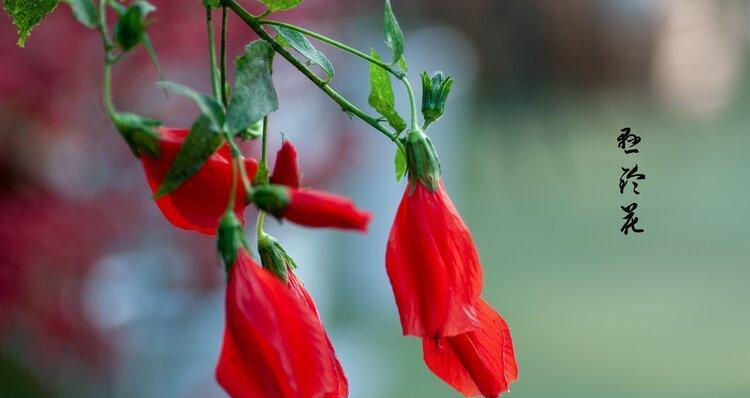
[
  {"x": 339, "y": 387},
  {"x": 321, "y": 209},
  {"x": 273, "y": 344},
  {"x": 478, "y": 363},
  {"x": 310, "y": 208},
  {"x": 433, "y": 265},
  {"x": 286, "y": 169},
  {"x": 198, "y": 203}
]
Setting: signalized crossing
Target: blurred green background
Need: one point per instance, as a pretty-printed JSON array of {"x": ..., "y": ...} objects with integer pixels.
[{"x": 126, "y": 306}]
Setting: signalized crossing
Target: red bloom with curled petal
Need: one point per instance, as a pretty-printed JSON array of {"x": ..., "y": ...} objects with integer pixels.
[
  {"x": 198, "y": 203},
  {"x": 477, "y": 363},
  {"x": 339, "y": 387},
  {"x": 273, "y": 344},
  {"x": 286, "y": 169},
  {"x": 433, "y": 265}
]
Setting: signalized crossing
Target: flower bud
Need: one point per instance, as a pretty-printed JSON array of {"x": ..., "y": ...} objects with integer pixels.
[
  {"x": 273, "y": 257},
  {"x": 421, "y": 160},
  {"x": 132, "y": 24},
  {"x": 435, "y": 91},
  {"x": 272, "y": 198},
  {"x": 230, "y": 239},
  {"x": 286, "y": 170}
]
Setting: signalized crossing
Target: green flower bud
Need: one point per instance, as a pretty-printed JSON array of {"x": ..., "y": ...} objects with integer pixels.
[
  {"x": 422, "y": 162},
  {"x": 139, "y": 132},
  {"x": 132, "y": 24},
  {"x": 230, "y": 239},
  {"x": 435, "y": 91},
  {"x": 273, "y": 257},
  {"x": 272, "y": 198}
]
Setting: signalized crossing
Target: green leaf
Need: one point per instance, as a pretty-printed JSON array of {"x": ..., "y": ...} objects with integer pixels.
[
  {"x": 400, "y": 164},
  {"x": 139, "y": 132},
  {"x": 27, "y": 13},
  {"x": 199, "y": 145},
  {"x": 394, "y": 38},
  {"x": 381, "y": 95},
  {"x": 84, "y": 11},
  {"x": 280, "y": 5},
  {"x": 402, "y": 63},
  {"x": 253, "y": 94},
  {"x": 208, "y": 105},
  {"x": 131, "y": 26},
  {"x": 299, "y": 42}
]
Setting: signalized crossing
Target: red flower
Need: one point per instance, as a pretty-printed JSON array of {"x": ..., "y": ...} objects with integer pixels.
[
  {"x": 321, "y": 209},
  {"x": 433, "y": 265},
  {"x": 286, "y": 169},
  {"x": 273, "y": 344},
  {"x": 339, "y": 387},
  {"x": 311, "y": 208},
  {"x": 478, "y": 363},
  {"x": 198, "y": 203}
]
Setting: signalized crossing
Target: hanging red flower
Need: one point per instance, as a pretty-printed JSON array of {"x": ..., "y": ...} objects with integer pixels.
[
  {"x": 433, "y": 265},
  {"x": 311, "y": 208},
  {"x": 478, "y": 363},
  {"x": 273, "y": 344},
  {"x": 200, "y": 201},
  {"x": 339, "y": 387},
  {"x": 286, "y": 169}
]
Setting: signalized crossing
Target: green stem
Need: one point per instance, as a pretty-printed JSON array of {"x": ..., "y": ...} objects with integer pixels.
[
  {"x": 347, "y": 106},
  {"x": 400, "y": 75},
  {"x": 412, "y": 105},
  {"x": 335, "y": 43},
  {"x": 237, "y": 153},
  {"x": 264, "y": 143},
  {"x": 108, "y": 60},
  {"x": 224, "y": 55},
  {"x": 233, "y": 190},
  {"x": 215, "y": 82}
]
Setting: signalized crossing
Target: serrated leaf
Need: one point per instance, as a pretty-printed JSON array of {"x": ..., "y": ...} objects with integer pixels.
[
  {"x": 208, "y": 105},
  {"x": 84, "y": 11},
  {"x": 280, "y": 5},
  {"x": 394, "y": 38},
  {"x": 199, "y": 145},
  {"x": 381, "y": 95},
  {"x": 299, "y": 42},
  {"x": 26, "y": 14},
  {"x": 138, "y": 131},
  {"x": 400, "y": 164},
  {"x": 253, "y": 94}
]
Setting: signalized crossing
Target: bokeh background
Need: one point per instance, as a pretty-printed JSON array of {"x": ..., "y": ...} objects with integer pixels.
[{"x": 100, "y": 297}]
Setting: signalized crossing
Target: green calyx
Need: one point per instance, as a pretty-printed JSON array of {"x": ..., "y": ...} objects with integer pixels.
[
  {"x": 131, "y": 27},
  {"x": 435, "y": 92},
  {"x": 273, "y": 257},
  {"x": 272, "y": 198},
  {"x": 422, "y": 162},
  {"x": 230, "y": 239},
  {"x": 139, "y": 132}
]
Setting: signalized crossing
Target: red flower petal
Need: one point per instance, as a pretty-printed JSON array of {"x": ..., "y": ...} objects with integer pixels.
[
  {"x": 286, "y": 170},
  {"x": 273, "y": 345},
  {"x": 433, "y": 265},
  {"x": 200, "y": 201},
  {"x": 321, "y": 209},
  {"x": 479, "y": 363}
]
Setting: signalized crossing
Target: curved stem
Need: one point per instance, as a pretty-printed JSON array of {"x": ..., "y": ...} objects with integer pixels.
[
  {"x": 335, "y": 43},
  {"x": 108, "y": 60},
  {"x": 224, "y": 55},
  {"x": 107, "y": 90},
  {"x": 233, "y": 190},
  {"x": 259, "y": 224},
  {"x": 215, "y": 82},
  {"x": 400, "y": 75},
  {"x": 347, "y": 106},
  {"x": 412, "y": 104}
]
